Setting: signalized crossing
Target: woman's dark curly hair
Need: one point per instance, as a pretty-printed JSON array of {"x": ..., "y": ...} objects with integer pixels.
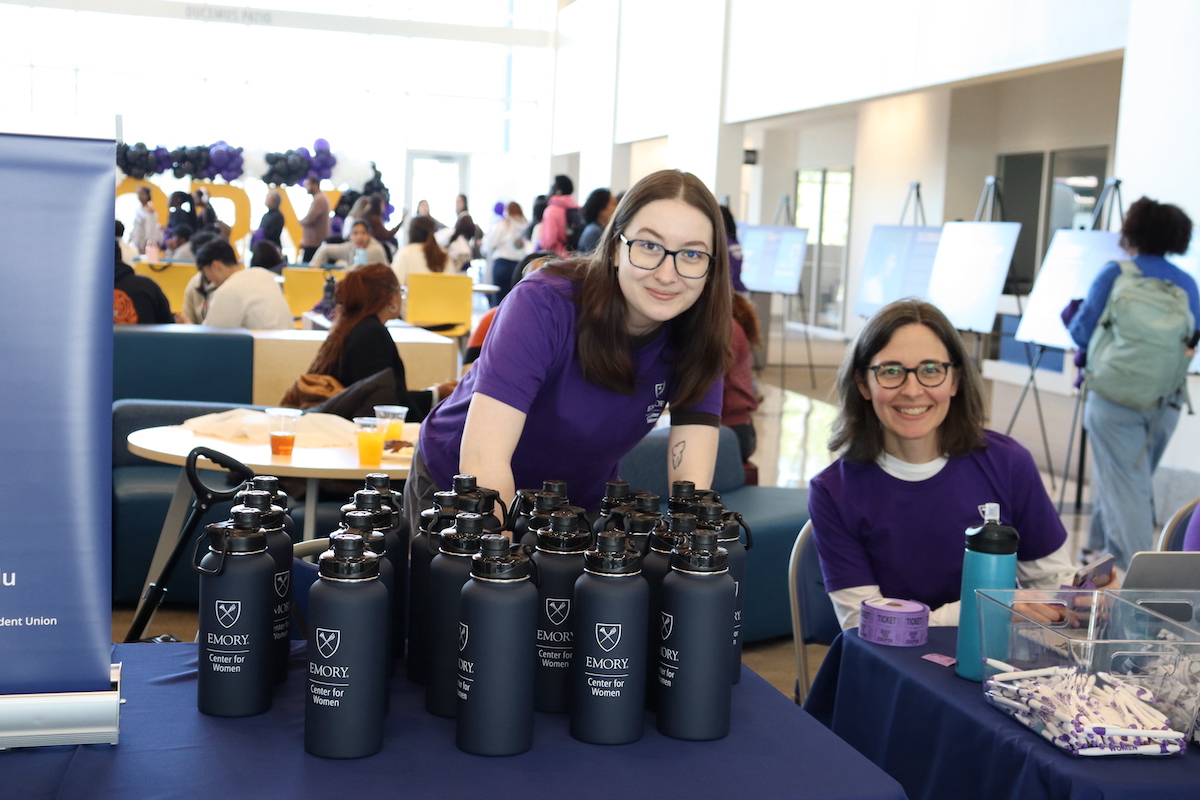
[{"x": 1155, "y": 229}]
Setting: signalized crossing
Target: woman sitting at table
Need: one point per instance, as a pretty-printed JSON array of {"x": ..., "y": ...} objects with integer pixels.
[
  {"x": 359, "y": 345},
  {"x": 422, "y": 253},
  {"x": 916, "y": 466}
]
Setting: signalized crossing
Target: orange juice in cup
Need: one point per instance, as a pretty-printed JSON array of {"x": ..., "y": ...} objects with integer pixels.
[
  {"x": 395, "y": 416},
  {"x": 370, "y": 432},
  {"x": 282, "y": 429}
]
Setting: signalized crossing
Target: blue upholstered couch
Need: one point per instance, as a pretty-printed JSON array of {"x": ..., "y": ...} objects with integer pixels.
[
  {"x": 775, "y": 516},
  {"x": 183, "y": 362},
  {"x": 142, "y": 491}
]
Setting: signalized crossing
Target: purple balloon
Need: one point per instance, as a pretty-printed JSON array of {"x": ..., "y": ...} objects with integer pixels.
[
  {"x": 304, "y": 151},
  {"x": 321, "y": 144},
  {"x": 326, "y": 173},
  {"x": 498, "y": 208},
  {"x": 219, "y": 158}
]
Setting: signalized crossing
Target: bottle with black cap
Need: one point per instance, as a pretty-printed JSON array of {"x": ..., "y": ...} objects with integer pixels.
[
  {"x": 544, "y": 505},
  {"x": 270, "y": 484},
  {"x": 683, "y": 494},
  {"x": 645, "y": 504},
  {"x": 370, "y": 526},
  {"x": 476, "y": 499},
  {"x": 397, "y": 553},
  {"x": 616, "y": 494},
  {"x": 425, "y": 544},
  {"x": 728, "y": 525},
  {"x": 451, "y": 568},
  {"x": 236, "y": 577},
  {"x": 655, "y": 566},
  {"x": 495, "y": 657},
  {"x": 608, "y": 680},
  {"x": 279, "y": 547},
  {"x": 695, "y": 629},
  {"x": 347, "y": 648},
  {"x": 559, "y": 560},
  {"x": 554, "y": 486}
]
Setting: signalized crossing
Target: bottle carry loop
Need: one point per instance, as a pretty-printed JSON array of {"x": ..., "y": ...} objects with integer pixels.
[
  {"x": 196, "y": 557},
  {"x": 734, "y": 516}
]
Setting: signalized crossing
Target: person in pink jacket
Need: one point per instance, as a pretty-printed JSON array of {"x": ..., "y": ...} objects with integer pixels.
[{"x": 555, "y": 221}]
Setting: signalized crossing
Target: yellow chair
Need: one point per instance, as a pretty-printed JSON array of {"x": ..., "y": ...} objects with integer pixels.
[
  {"x": 172, "y": 278},
  {"x": 303, "y": 287},
  {"x": 440, "y": 303}
]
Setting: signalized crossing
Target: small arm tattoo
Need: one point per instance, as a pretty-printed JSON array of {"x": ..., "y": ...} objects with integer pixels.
[{"x": 677, "y": 454}]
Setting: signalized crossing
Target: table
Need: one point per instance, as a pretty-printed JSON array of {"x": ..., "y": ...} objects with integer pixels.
[
  {"x": 934, "y": 732},
  {"x": 169, "y": 750}
]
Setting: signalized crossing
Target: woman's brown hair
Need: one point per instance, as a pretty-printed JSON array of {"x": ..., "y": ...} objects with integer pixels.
[
  {"x": 699, "y": 336},
  {"x": 364, "y": 292},
  {"x": 420, "y": 231},
  {"x": 747, "y": 317},
  {"x": 857, "y": 428}
]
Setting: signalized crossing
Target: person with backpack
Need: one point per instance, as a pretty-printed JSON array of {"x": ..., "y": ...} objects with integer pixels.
[
  {"x": 562, "y": 224},
  {"x": 1138, "y": 323}
]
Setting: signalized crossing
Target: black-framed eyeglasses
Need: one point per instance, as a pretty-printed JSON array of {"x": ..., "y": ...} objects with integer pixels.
[
  {"x": 930, "y": 374},
  {"x": 648, "y": 255}
]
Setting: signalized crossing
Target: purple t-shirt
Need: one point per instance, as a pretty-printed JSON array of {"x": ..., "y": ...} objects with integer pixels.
[
  {"x": 574, "y": 430},
  {"x": 907, "y": 537}
]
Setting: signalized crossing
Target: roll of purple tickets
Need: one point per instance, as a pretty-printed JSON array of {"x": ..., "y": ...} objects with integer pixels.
[{"x": 897, "y": 623}]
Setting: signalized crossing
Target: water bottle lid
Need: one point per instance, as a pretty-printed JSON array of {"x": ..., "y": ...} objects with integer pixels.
[
  {"x": 269, "y": 483},
  {"x": 555, "y": 487},
  {"x": 498, "y": 560},
  {"x": 348, "y": 558},
  {"x": 646, "y": 501},
  {"x": 708, "y": 511},
  {"x": 683, "y": 523},
  {"x": 463, "y": 538},
  {"x": 640, "y": 522},
  {"x": 242, "y": 534},
  {"x": 615, "y": 490},
  {"x": 465, "y": 483},
  {"x": 612, "y": 555},
  {"x": 993, "y": 538},
  {"x": 272, "y": 515},
  {"x": 357, "y": 520},
  {"x": 702, "y": 554},
  {"x": 547, "y": 501},
  {"x": 379, "y": 481},
  {"x": 368, "y": 500},
  {"x": 662, "y": 541},
  {"x": 683, "y": 489},
  {"x": 563, "y": 534}
]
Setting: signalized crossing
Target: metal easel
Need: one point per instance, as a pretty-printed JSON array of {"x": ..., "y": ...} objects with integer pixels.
[
  {"x": 914, "y": 192},
  {"x": 991, "y": 201},
  {"x": 784, "y": 216},
  {"x": 1110, "y": 195}
]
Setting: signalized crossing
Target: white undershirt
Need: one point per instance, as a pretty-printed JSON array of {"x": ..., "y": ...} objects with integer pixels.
[{"x": 1048, "y": 572}]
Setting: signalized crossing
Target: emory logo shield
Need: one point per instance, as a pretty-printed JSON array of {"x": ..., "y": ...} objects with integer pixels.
[
  {"x": 283, "y": 580},
  {"x": 608, "y": 634},
  {"x": 228, "y": 612},
  {"x": 668, "y": 624},
  {"x": 558, "y": 609},
  {"x": 462, "y": 635},
  {"x": 659, "y": 388},
  {"x": 328, "y": 641}
]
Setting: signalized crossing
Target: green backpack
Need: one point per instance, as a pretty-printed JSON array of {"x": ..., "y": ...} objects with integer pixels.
[{"x": 1137, "y": 354}]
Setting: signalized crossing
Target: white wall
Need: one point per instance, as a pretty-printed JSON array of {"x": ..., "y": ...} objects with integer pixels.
[
  {"x": 792, "y": 56},
  {"x": 1157, "y": 138},
  {"x": 585, "y": 89}
]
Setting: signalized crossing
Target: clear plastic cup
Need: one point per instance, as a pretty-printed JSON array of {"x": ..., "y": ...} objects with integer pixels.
[
  {"x": 281, "y": 428},
  {"x": 395, "y": 416},
  {"x": 370, "y": 432}
]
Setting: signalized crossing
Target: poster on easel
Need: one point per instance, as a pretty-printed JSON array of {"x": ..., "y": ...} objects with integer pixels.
[
  {"x": 898, "y": 264},
  {"x": 56, "y": 220},
  {"x": 1072, "y": 262},
  {"x": 772, "y": 257},
  {"x": 969, "y": 270}
]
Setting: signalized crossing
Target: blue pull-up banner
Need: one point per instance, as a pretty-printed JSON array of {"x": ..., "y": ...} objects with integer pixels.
[{"x": 56, "y": 284}]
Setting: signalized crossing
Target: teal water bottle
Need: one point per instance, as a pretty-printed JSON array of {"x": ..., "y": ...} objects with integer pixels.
[{"x": 989, "y": 562}]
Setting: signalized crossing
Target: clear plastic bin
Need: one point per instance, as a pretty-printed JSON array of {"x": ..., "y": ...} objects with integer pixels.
[{"x": 1121, "y": 633}]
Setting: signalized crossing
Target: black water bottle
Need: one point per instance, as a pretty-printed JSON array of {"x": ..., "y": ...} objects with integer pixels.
[
  {"x": 425, "y": 544},
  {"x": 279, "y": 547},
  {"x": 655, "y": 566},
  {"x": 558, "y": 487},
  {"x": 236, "y": 646},
  {"x": 608, "y": 679},
  {"x": 728, "y": 526},
  {"x": 645, "y": 504},
  {"x": 616, "y": 494},
  {"x": 495, "y": 637},
  {"x": 696, "y": 628},
  {"x": 347, "y": 650},
  {"x": 476, "y": 499},
  {"x": 450, "y": 569},
  {"x": 544, "y": 505},
  {"x": 270, "y": 484},
  {"x": 683, "y": 494},
  {"x": 559, "y": 561},
  {"x": 397, "y": 553}
]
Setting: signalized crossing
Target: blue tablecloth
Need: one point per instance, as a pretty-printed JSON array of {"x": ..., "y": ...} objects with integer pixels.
[
  {"x": 169, "y": 750},
  {"x": 934, "y": 732}
]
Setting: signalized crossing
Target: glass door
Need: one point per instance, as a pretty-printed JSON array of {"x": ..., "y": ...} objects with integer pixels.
[
  {"x": 823, "y": 206},
  {"x": 436, "y": 178}
]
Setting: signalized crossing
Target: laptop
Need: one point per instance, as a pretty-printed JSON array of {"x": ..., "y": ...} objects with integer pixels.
[{"x": 1167, "y": 571}]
